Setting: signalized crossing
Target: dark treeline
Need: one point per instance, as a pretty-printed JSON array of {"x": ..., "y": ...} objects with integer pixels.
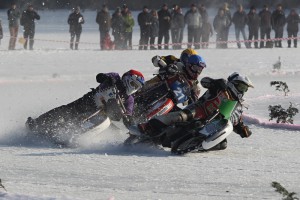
[{"x": 138, "y": 4}]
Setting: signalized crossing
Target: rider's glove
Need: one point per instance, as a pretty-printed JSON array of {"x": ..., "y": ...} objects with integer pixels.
[
  {"x": 221, "y": 83},
  {"x": 172, "y": 69},
  {"x": 127, "y": 120},
  {"x": 158, "y": 62}
]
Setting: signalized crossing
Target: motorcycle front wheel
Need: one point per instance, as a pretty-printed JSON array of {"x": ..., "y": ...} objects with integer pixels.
[{"x": 185, "y": 144}]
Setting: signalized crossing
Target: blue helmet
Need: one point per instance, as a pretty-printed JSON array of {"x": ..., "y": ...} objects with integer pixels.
[{"x": 194, "y": 66}]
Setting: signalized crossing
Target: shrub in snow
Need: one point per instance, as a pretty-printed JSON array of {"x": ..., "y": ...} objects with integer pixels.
[
  {"x": 286, "y": 194},
  {"x": 281, "y": 86},
  {"x": 282, "y": 115}
]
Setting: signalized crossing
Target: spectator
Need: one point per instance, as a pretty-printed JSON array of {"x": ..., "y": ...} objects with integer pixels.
[
  {"x": 104, "y": 20},
  {"x": 1, "y": 31},
  {"x": 292, "y": 26},
  {"x": 193, "y": 20},
  {"x": 129, "y": 24},
  {"x": 164, "y": 19},
  {"x": 203, "y": 12},
  {"x": 221, "y": 24},
  {"x": 240, "y": 19},
  {"x": 153, "y": 29},
  {"x": 207, "y": 32},
  {"x": 253, "y": 25},
  {"x": 227, "y": 13},
  {"x": 144, "y": 21},
  {"x": 118, "y": 29},
  {"x": 13, "y": 15},
  {"x": 75, "y": 20},
  {"x": 278, "y": 21},
  {"x": 124, "y": 10},
  {"x": 28, "y": 22},
  {"x": 265, "y": 26},
  {"x": 177, "y": 24},
  {"x": 173, "y": 12}
]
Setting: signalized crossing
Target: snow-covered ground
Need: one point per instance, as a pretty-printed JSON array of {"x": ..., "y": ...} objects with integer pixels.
[{"x": 32, "y": 82}]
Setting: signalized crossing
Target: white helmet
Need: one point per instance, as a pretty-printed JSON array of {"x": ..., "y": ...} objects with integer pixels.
[
  {"x": 238, "y": 85},
  {"x": 133, "y": 81}
]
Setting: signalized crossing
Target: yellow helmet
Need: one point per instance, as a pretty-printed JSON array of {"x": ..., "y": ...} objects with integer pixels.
[{"x": 185, "y": 54}]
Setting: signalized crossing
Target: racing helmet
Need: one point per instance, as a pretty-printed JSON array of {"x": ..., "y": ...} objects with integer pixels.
[
  {"x": 194, "y": 66},
  {"x": 238, "y": 85},
  {"x": 133, "y": 81},
  {"x": 185, "y": 54}
]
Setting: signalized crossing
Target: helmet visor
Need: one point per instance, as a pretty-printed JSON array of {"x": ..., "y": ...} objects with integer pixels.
[
  {"x": 197, "y": 68},
  {"x": 134, "y": 85},
  {"x": 241, "y": 87}
]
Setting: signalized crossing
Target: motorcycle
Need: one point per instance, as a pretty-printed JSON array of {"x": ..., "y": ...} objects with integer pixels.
[
  {"x": 64, "y": 129},
  {"x": 161, "y": 98},
  {"x": 156, "y": 100},
  {"x": 194, "y": 135}
]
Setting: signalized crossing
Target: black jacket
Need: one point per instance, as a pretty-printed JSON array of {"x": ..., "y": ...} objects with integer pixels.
[
  {"x": 118, "y": 25},
  {"x": 13, "y": 16},
  {"x": 292, "y": 23},
  {"x": 265, "y": 19},
  {"x": 164, "y": 18},
  {"x": 75, "y": 20},
  {"x": 240, "y": 19},
  {"x": 177, "y": 21},
  {"x": 253, "y": 21},
  {"x": 278, "y": 19},
  {"x": 104, "y": 20},
  {"x": 154, "y": 27},
  {"x": 1, "y": 31},
  {"x": 27, "y": 19},
  {"x": 144, "y": 21}
]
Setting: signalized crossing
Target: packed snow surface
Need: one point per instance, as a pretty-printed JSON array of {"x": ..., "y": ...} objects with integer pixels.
[{"x": 100, "y": 167}]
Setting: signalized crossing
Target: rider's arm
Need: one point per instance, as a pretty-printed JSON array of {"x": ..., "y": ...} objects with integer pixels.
[
  {"x": 238, "y": 125},
  {"x": 108, "y": 78},
  {"x": 216, "y": 84},
  {"x": 129, "y": 105}
]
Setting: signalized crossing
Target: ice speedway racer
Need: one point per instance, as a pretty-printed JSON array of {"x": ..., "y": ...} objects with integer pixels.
[
  {"x": 92, "y": 111},
  {"x": 203, "y": 125}
]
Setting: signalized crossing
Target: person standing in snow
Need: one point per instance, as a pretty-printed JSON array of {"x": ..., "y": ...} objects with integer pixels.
[
  {"x": 253, "y": 25},
  {"x": 293, "y": 21},
  {"x": 240, "y": 19},
  {"x": 104, "y": 20},
  {"x": 265, "y": 26},
  {"x": 278, "y": 21},
  {"x": 164, "y": 19},
  {"x": 13, "y": 15},
  {"x": 1, "y": 32},
  {"x": 129, "y": 24},
  {"x": 177, "y": 25},
  {"x": 144, "y": 21},
  {"x": 118, "y": 29},
  {"x": 221, "y": 25},
  {"x": 75, "y": 21},
  {"x": 193, "y": 20},
  {"x": 153, "y": 29},
  {"x": 28, "y": 22}
]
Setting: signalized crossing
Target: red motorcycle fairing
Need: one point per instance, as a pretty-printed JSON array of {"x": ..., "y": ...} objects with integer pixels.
[{"x": 162, "y": 107}]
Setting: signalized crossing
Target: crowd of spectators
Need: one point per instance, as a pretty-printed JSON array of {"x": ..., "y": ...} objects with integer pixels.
[{"x": 166, "y": 22}]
